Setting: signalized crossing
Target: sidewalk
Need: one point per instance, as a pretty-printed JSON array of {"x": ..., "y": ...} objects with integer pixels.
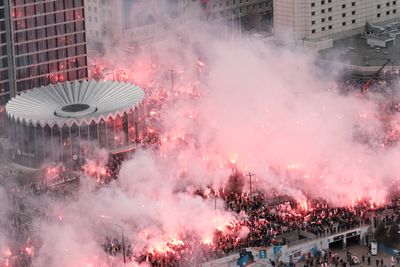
[{"x": 359, "y": 250}]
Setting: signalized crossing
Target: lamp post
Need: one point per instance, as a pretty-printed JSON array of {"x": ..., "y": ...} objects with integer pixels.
[
  {"x": 123, "y": 240},
  {"x": 172, "y": 81},
  {"x": 251, "y": 209},
  {"x": 215, "y": 201}
]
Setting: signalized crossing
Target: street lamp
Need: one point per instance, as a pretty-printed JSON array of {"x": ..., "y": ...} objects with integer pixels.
[
  {"x": 123, "y": 240},
  {"x": 172, "y": 80},
  {"x": 251, "y": 209}
]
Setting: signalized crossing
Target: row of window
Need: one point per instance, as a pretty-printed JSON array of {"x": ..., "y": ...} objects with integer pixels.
[
  {"x": 90, "y": 9},
  {"x": 330, "y": 27},
  {"x": 49, "y": 43},
  {"x": 52, "y": 78},
  {"x": 322, "y": 11},
  {"x": 62, "y": 65},
  {"x": 387, "y": 4},
  {"x": 232, "y": 2},
  {"x": 322, "y": 3},
  {"x": 330, "y": 17},
  {"x": 352, "y": 12},
  {"x": 30, "y": 22},
  {"x": 90, "y": 19},
  {"x": 394, "y": 11},
  {"x": 344, "y": 6},
  {"x": 354, "y": 3},
  {"x": 330, "y": 10},
  {"x": 51, "y": 31},
  {"x": 330, "y": 1},
  {"x": 68, "y": 144},
  {"x": 41, "y": 5},
  {"x": 240, "y": 10},
  {"x": 57, "y": 54}
]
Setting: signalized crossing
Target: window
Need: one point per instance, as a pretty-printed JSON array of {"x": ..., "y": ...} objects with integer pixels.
[
  {"x": 312, "y": 31},
  {"x": 353, "y": 21},
  {"x": 49, "y": 7},
  {"x": 388, "y": 4},
  {"x": 322, "y": 11},
  {"x": 330, "y": 9},
  {"x": 313, "y": 4},
  {"x": 330, "y": 27},
  {"x": 394, "y": 3},
  {"x": 50, "y": 19},
  {"x": 343, "y": 6},
  {"x": 313, "y": 22},
  {"x": 60, "y": 18},
  {"x": 40, "y": 20},
  {"x": 378, "y": 15},
  {"x": 353, "y": 3},
  {"x": 343, "y": 15},
  {"x": 323, "y": 20},
  {"x": 322, "y": 2},
  {"x": 378, "y": 6},
  {"x": 353, "y": 12},
  {"x": 329, "y": 1},
  {"x": 323, "y": 29},
  {"x": 329, "y": 18},
  {"x": 344, "y": 23},
  {"x": 313, "y": 13},
  {"x": 394, "y": 11},
  {"x": 387, "y": 12}
]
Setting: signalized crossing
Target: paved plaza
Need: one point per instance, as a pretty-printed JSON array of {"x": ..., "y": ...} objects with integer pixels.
[{"x": 360, "y": 250}]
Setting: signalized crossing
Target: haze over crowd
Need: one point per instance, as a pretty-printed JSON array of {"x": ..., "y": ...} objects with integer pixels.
[{"x": 245, "y": 105}]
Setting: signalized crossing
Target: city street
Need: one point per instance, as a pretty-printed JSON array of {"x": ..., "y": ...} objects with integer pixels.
[{"x": 360, "y": 250}]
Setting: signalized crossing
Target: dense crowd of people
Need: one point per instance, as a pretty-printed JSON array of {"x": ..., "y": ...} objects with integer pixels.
[
  {"x": 261, "y": 220},
  {"x": 267, "y": 219}
]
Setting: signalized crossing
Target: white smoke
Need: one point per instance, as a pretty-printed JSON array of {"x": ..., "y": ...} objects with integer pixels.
[{"x": 264, "y": 107}]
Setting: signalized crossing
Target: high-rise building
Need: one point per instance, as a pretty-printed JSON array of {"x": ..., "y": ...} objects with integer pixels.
[
  {"x": 42, "y": 42},
  {"x": 318, "y": 19},
  {"x": 104, "y": 21}
]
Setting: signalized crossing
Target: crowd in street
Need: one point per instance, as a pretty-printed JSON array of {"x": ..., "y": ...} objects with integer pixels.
[
  {"x": 266, "y": 217},
  {"x": 268, "y": 220}
]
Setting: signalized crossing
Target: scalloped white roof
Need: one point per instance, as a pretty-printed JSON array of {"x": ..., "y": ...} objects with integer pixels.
[{"x": 38, "y": 106}]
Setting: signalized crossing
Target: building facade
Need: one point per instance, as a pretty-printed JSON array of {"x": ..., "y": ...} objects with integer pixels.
[
  {"x": 104, "y": 21},
  {"x": 220, "y": 9},
  {"x": 138, "y": 22},
  {"x": 68, "y": 122},
  {"x": 42, "y": 42},
  {"x": 318, "y": 19}
]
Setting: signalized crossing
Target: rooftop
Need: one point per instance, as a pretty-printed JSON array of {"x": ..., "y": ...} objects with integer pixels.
[
  {"x": 74, "y": 102},
  {"x": 356, "y": 51}
]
